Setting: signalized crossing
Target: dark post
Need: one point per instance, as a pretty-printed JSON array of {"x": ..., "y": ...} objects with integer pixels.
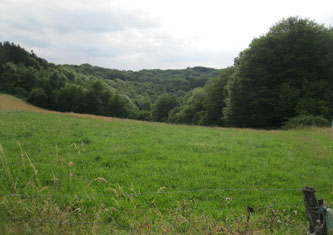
[
  {"x": 313, "y": 214},
  {"x": 322, "y": 217}
]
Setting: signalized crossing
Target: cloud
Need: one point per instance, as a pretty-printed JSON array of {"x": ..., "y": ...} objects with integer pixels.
[
  {"x": 78, "y": 33},
  {"x": 105, "y": 36},
  {"x": 112, "y": 34},
  {"x": 131, "y": 34},
  {"x": 61, "y": 19}
]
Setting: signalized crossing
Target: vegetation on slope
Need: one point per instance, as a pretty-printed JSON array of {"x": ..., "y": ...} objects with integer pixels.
[
  {"x": 91, "y": 89},
  {"x": 285, "y": 73}
]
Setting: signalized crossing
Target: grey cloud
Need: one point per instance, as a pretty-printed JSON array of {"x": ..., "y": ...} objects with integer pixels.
[
  {"x": 115, "y": 38},
  {"x": 61, "y": 20},
  {"x": 97, "y": 21},
  {"x": 94, "y": 51}
]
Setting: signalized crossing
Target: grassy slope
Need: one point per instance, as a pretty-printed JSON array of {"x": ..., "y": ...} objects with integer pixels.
[{"x": 107, "y": 164}]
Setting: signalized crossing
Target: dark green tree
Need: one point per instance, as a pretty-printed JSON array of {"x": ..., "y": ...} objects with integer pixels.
[
  {"x": 192, "y": 110},
  {"x": 117, "y": 106},
  {"x": 164, "y": 104},
  {"x": 54, "y": 81},
  {"x": 38, "y": 97},
  {"x": 70, "y": 99},
  {"x": 215, "y": 99},
  {"x": 286, "y": 72}
]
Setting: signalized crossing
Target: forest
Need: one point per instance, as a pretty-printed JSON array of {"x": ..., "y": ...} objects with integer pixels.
[{"x": 283, "y": 75}]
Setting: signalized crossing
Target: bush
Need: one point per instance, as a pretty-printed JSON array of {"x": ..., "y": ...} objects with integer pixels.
[
  {"x": 302, "y": 121},
  {"x": 38, "y": 97},
  {"x": 164, "y": 104}
]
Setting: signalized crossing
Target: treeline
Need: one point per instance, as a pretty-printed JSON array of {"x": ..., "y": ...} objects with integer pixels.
[
  {"x": 286, "y": 73},
  {"x": 92, "y": 89}
]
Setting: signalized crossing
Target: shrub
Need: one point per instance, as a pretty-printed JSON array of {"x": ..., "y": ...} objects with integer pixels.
[
  {"x": 302, "y": 121},
  {"x": 38, "y": 97}
]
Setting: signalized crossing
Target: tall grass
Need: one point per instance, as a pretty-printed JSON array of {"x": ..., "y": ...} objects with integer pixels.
[{"x": 62, "y": 174}]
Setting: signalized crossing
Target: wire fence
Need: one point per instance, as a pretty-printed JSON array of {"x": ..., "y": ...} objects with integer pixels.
[
  {"x": 93, "y": 196},
  {"x": 169, "y": 192},
  {"x": 244, "y": 217},
  {"x": 188, "y": 220},
  {"x": 106, "y": 195}
]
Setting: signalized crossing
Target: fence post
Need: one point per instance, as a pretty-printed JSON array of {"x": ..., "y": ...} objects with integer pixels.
[
  {"x": 314, "y": 216},
  {"x": 323, "y": 216}
]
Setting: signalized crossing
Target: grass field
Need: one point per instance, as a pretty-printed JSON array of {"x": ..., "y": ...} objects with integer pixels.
[{"x": 65, "y": 174}]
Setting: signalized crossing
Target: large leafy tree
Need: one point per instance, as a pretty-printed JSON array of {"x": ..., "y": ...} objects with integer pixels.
[
  {"x": 192, "y": 110},
  {"x": 117, "y": 107},
  {"x": 286, "y": 72},
  {"x": 38, "y": 97},
  {"x": 215, "y": 98},
  {"x": 164, "y": 104},
  {"x": 69, "y": 99}
]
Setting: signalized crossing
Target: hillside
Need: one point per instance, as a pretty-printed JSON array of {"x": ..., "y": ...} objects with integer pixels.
[
  {"x": 282, "y": 80},
  {"x": 9, "y": 102},
  {"x": 63, "y": 174},
  {"x": 91, "y": 89}
]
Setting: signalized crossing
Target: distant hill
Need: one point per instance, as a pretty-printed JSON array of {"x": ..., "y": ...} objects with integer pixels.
[{"x": 92, "y": 89}]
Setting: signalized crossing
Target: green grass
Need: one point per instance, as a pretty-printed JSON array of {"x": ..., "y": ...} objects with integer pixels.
[{"x": 77, "y": 175}]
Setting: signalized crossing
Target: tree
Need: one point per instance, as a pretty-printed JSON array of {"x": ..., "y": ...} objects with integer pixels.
[
  {"x": 55, "y": 81},
  {"x": 92, "y": 103},
  {"x": 38, "y": 97},
  {"x": 69, "y": 99},
  {"x": 96, "y": 98},
  {"x": 164, "y": 104},
  {"x": 273, "y": 76},
  {"x": 28, "y": 79},
  {"x": 193, "y": 109},
  {"x": 117, "y": 106},
  {"x": 215, "y": 99}
]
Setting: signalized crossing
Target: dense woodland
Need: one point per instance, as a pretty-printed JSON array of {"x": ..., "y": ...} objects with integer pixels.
[
  {"x": 284, "y": 74},
  {"x": 91, "y": 89}
]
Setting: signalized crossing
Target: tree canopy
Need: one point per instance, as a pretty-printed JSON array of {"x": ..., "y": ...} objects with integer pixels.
[
  {"x": 91, "y": 89},
  {"x": 284, "y": 73}
]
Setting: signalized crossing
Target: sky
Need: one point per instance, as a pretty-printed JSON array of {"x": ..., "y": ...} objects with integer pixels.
[{"x": 147, "y": 34}]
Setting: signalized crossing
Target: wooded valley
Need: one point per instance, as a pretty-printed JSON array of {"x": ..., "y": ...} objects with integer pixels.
[{"x": 283, "y": 76}]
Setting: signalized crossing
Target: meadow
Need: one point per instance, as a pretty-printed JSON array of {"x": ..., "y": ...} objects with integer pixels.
[{"x": 68, "y": 174}]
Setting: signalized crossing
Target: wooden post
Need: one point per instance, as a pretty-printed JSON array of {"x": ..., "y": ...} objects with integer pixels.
[
  {"x": 322, "y": 217},
  {"x": 314, "y": 216}
]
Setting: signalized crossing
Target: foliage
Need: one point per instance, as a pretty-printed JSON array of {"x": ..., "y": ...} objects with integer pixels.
[
  {"x": 164, "y": 104},
  {"x": 203, "y": 106},
  {"x": 117, "y": 106},
  {"x": 69, "y": 99},
  {"x": 215, "y": 99},
  {"x": 192, "y": 110},
  {"x": 284, "y": 73},
  {"x": 306, "y": 121},
  {"x": 38, "y": 97},
  {"x": 92, "y": 89}
]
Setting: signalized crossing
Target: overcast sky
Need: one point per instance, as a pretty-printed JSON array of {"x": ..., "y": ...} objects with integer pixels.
[{"x": 138, "y": 34}]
